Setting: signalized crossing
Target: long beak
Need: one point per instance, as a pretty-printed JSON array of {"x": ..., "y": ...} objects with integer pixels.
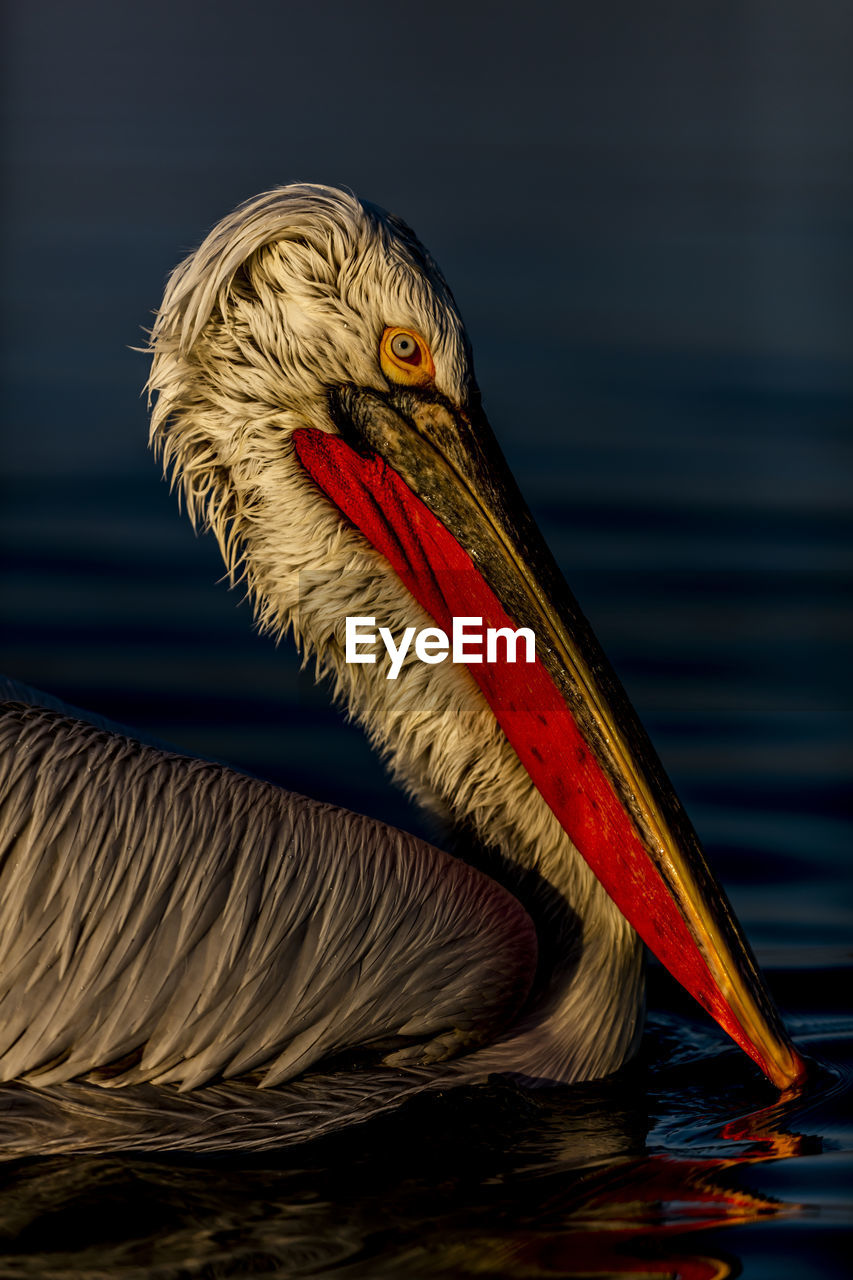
[{"x": 429, "y": 487}]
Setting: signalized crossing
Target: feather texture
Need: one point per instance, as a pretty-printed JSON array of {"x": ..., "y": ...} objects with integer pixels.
[
  {"x": 205, "y": 924},
  {"x": 287, "y": 297}
]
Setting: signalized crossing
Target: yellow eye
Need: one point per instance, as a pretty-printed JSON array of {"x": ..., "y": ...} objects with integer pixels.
[{"x": 405, "y": 358}]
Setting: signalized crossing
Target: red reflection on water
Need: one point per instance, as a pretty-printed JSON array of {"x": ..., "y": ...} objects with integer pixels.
[{"x": 630, "y": 1219}]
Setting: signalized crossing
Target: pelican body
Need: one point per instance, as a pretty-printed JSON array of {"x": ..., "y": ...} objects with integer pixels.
[{"x": 170, "y": 922}]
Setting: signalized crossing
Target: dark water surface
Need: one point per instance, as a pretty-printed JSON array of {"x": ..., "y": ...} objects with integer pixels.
[{"x": 646, "y": 218}]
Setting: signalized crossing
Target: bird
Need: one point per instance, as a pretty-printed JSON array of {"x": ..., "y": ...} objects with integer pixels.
[{"x": 173, "y": 924}]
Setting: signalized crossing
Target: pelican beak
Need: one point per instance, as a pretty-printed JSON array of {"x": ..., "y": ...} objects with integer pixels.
[{"x": 426, "y": 483}]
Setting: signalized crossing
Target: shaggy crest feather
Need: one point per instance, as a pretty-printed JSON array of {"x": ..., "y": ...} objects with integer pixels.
[{"x": 285, "y": 299}]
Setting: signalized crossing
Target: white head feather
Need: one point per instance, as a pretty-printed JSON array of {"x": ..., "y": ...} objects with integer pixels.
[{"x": 287, "y": 298}]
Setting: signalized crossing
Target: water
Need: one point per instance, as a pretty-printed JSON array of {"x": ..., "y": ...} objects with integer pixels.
[
  {"x": 646, "y": 222},
  {"x": 682, "y": 1165}
]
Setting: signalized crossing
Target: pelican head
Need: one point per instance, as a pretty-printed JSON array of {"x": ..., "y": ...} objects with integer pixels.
[{"x": 317, "y": 406}]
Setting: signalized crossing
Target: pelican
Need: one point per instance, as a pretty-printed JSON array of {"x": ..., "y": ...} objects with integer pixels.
[{"x": 167, "y": 921}]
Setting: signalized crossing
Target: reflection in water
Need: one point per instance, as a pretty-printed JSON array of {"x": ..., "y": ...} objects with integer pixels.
[{"x": 489, "y": 1181}]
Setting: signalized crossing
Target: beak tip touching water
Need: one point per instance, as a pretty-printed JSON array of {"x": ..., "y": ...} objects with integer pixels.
[{"x": 414, "y": 462}]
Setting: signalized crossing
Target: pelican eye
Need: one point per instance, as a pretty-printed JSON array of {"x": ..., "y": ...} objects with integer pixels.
[
  {"x": 405, "y": 358},
  {"x": 404, "y": 346}
]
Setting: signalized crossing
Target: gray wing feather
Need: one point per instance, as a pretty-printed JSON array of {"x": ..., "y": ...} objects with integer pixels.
[{"x": 166, "y": 920}]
